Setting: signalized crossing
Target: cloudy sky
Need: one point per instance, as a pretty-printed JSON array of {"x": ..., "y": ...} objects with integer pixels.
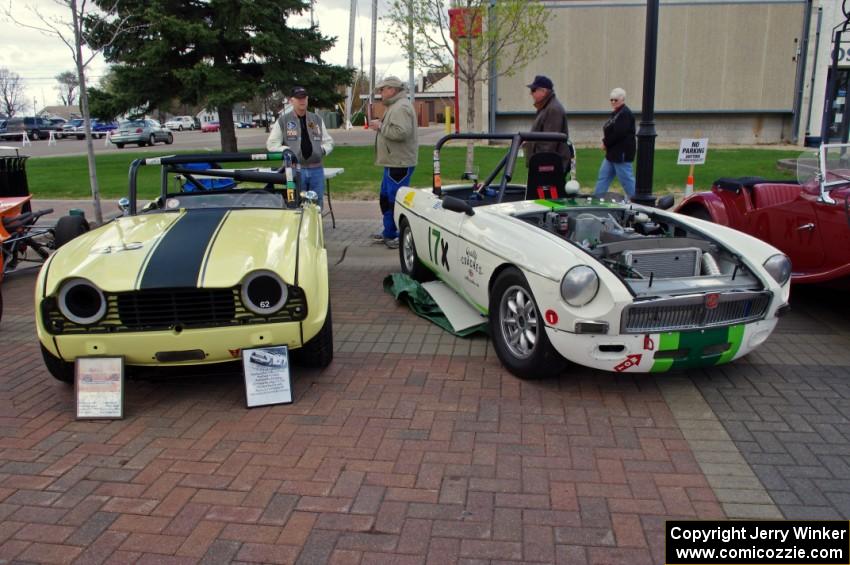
[{"x": 39, "y": 57}]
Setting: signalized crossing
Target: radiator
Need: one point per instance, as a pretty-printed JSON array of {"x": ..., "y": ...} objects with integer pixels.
[{"x": 664, "y": 263}]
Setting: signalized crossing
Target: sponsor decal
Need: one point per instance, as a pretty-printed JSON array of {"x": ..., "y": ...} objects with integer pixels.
[
  {"x": 438, "y": 251},
  {"x": 712, "y": 300},
  {"x": 648, "y": 343},
  {"x": 291, "y": 125},
  {"x": 631, "y": 361},
  {"x": 551, "y": 317},
  {"x": 470, "y": 260},
  {"x": 291, "y": 133},
  {"x": 260, "y": 157},
  {"x": 408, "y": 199},
  {"x": 117, "y": 248}
]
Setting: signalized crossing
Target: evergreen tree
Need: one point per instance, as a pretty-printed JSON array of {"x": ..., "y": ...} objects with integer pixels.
[{"x": 216, "y": 53}]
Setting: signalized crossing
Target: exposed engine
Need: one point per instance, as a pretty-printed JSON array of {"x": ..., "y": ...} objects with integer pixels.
[{"x": 653, "y": 255}]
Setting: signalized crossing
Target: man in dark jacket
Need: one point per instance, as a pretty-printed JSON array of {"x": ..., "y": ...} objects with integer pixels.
[
  {"x": 619, "y": 146},
  {"x": 551, "y": 117}
]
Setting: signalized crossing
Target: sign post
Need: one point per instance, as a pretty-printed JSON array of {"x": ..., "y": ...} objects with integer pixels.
[{"x": 692, "y": 152}]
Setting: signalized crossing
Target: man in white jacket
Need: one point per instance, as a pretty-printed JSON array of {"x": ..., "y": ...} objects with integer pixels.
[{"x": 305, "y": 135}]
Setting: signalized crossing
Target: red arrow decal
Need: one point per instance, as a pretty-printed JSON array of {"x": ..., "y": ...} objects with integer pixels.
[
  {"x": 631, "y": 361},
  {"x": 234, "y": 352}
]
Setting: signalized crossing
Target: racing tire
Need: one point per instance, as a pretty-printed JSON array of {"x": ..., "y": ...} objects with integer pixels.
[
  {"x": 152, "y": 140},
  {"x": 119, "y": 145},
  {"x": 518, "y": 330},
  {"x": 170, "y": 139},
  {"x": 61, "y": 370},
  {"x": 699, "y": 213},
  {"x": 410, "y": 263},
  {"x": 67, "y": 228},
  {"x": 319, "y": 351}
]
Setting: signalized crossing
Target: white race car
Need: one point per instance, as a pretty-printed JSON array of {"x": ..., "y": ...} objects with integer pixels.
[{"x": 609, "y": 285}]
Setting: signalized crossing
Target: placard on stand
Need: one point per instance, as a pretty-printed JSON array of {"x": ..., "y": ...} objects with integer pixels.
[
  {"x": 266, "y": 371},
  {"x": 99, "y": 388}
]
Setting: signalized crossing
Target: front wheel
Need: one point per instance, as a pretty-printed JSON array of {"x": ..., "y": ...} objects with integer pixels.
[
  {"x": 410, "y": 263},
  {"x": 319, "y": 351},
  {"x": 119, "y": 145},
  {"x": 61, "y": 370},
  {"x": 518, "y": 330}
]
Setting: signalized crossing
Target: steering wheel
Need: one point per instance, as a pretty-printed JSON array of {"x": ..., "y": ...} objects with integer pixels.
[{"x": 245, "y": 197}]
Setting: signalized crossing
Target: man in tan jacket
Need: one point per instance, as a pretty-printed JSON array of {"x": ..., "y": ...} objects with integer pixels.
[{"x": 396, "y": 149}]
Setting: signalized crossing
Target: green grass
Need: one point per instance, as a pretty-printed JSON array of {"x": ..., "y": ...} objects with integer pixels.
[{"x": 67, "y": 177}]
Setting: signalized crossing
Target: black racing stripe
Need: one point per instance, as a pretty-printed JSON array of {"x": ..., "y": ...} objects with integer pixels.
[{"x": 179, "y": 256}]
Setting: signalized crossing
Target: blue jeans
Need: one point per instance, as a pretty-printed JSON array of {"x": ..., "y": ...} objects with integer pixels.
[
  {"x": 394, "y": 178},
  {"x": 623, "y": 171},
  {"x": 314, "y": 179}
]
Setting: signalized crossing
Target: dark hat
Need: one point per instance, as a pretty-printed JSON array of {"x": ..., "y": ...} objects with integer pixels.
[
  {"x": 541, "y": 81},
  {"x": 298, "y": 92}
]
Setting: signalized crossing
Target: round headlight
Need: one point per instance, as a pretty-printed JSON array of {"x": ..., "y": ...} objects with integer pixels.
[
  {"x": 81, "y": 302},
  {"x": 264, "y": 292},
  {"x": 779, "y": 267},
  {"x": 580, "y": 285}
]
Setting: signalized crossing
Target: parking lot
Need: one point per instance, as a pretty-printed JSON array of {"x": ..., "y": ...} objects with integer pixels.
[{"x": 418, "y": 447}]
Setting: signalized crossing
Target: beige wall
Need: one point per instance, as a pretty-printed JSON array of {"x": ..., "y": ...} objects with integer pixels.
[{"x": 711, "y": 56}]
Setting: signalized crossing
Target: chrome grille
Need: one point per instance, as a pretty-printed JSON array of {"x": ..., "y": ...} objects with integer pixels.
[
  {"x": 163, "y": 309},
  {"x": 690, "y": 312}
]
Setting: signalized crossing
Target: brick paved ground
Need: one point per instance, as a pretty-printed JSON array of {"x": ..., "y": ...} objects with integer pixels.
[{"x": 417, "y": 447}]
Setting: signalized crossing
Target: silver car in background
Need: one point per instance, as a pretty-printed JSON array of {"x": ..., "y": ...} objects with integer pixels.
[{"x": 141, "y": 132}]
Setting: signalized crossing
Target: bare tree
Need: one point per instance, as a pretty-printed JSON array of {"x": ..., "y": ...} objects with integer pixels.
[
  {"x": 72, "y": 33},
  {"x": 488, "y": 39},
  {"x": 67, "y": 87},
  {"x": 11, "y": 92}
]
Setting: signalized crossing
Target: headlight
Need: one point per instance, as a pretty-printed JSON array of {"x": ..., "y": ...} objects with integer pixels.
[
  {"x": 779, "y": 267},
  {"x": 263, "y": 292},
  {"x": 580, "y": 285},
  {"x": 81, "y": 302}
]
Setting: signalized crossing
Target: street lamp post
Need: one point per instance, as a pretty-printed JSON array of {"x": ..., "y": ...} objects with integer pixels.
[{"x": 646, "y": 134}]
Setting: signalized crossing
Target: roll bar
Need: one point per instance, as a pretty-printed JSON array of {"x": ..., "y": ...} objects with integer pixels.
[
  {"x": 172, "y": 164},
  {"x": 508, "y": 161}
]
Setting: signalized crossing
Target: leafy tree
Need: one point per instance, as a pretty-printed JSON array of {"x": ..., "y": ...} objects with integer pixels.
[
  {"x": 67, "y": 87},
  {"x": 218, "y": 53},
  {"x": 11, "y": 92},
  {"x": 505, "y": 36}
]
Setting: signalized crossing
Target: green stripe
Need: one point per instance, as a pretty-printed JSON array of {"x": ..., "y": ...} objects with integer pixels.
[
  {"x": 696, "y": 342},
  {"x": 666, "y": 342},
  {"x": 736, "y": 336}
]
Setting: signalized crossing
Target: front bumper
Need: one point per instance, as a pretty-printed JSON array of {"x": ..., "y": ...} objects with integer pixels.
[
  {"x": 141, "y": 348},
  {"x": 659, "y": 352},
  {"x": 135, "y": 138}
]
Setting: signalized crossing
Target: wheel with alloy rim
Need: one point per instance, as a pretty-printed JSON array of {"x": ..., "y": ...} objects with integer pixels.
[
  {"x": 410, "y": 263},
  {"x": 518, "y": 330}
]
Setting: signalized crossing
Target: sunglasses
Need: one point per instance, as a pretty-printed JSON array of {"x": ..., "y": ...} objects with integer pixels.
[
  {"x": 614, "y": 99},
  {"x": 534, "y": 89}
]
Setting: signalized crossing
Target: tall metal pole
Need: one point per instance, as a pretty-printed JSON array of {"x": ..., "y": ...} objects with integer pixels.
[
  {"x": 372, "y": 57},
  {"x": 646, "y": 133},
  {"x": 411, "y": 80},
  {"x": 349, "y": 91}
]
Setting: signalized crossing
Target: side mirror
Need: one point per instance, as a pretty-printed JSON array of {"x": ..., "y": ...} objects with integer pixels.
[
  {"x": 665, "y": 202},
  {"x": 124, "y": 205},
  {"x": 457, "y": 205}
]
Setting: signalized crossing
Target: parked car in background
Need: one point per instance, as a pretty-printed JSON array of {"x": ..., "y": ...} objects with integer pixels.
[
  {"x": 807, "y": 219},
  {"x": 2, "y": 126},
  {"x": 58, "y": 122},
  {"x": 70, "y": 128},
  {"x": 99, "y": 129},
  {"x": 180, "y": 123},
  {"x": 141, "y": 132},
  {"x": 35, "y": 127},
  {"x": 210, "y": 127},
  {"x": 243, "y": 125}
]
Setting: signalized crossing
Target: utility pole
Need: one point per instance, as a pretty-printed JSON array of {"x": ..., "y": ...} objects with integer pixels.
[
  {"x": 646, "y": 133},
  {"x": 349, "y": 91},
  {"x": 411, "y": 79},
  {"x": 372, "y": 57}
]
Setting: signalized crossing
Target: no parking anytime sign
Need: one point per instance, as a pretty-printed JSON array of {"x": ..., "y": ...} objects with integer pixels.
[{"x": 692, "y": 151}]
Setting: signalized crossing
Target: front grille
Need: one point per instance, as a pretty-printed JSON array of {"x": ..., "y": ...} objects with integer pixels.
[
  {"x": 691, "y": 313},
  {"x": 163, "y": 309}
]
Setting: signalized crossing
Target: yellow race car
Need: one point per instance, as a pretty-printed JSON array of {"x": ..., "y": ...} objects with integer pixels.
[{"x": 222, "y": 260}]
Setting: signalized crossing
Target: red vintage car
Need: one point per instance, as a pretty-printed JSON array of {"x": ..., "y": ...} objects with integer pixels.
[
  {"x": 807, "y": 219},
  {"x": 210, "y": 127}
]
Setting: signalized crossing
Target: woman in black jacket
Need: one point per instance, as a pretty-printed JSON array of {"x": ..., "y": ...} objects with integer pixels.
[{"x": 619, "y": 146}]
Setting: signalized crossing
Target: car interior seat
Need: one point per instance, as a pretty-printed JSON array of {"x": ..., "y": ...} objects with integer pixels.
[
  {"x": 207, "y": 183},
  {"x": 546, "y": 177}
]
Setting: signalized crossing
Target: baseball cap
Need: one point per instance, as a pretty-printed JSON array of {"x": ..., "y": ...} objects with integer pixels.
[
  {"x": 542, "y": 81},
  {"x": 298, "y": 92},
  {"x": 391, "y": 81}
]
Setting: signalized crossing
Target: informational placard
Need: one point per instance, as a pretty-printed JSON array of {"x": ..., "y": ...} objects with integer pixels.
[
  {"x": 692, "y": 151},
  {"x": 99, "y": 388},
  {"x": 266, "y": 376}
]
